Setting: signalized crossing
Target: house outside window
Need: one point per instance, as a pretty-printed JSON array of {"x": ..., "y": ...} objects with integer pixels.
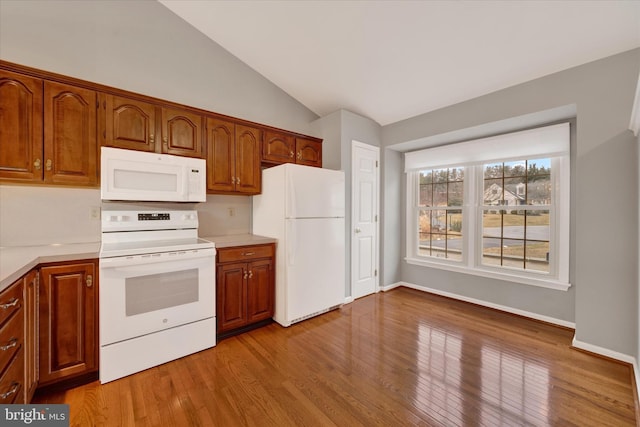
[{"x": 496, "y": 207}]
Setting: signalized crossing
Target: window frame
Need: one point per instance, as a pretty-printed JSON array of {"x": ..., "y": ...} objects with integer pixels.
[{"x": 472, "y": 209}]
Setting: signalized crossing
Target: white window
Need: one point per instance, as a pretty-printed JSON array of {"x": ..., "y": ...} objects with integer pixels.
[{"x": 496, "y": 207}]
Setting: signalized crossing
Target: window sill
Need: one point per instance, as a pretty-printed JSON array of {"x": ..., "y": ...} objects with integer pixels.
[{"x": 525, "y": 280}]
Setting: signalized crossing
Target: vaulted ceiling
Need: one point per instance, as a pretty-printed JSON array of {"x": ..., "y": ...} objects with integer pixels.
[{"x": 391, "y": 60}]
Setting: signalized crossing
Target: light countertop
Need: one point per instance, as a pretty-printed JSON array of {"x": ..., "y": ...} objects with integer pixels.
[
  {"x": 238, "y": 240},
  {"x": 15, "y": 261}
]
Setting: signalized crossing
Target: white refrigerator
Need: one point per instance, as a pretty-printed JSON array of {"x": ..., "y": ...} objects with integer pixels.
[{"x": 303, "y": 208}]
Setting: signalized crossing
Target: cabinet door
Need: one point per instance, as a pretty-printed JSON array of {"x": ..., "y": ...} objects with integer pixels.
[
  {"x": 128, "y": 123},
  {"x": 68, "y": 323},
  {"x": 30, "y": 334},
  {"x": 221, "y": 158},
  {"x": 231, "y": 296},
  {"x": 20, "y": 127},
  {"x": 70, "y": 143},
  {"x": 260, "y": 290},
  {"x": 308, "y": 152},
  {"x": 248, "y": 171},
  {"x": 278, "y": 148},
  {"x": 182, "y": 133}
]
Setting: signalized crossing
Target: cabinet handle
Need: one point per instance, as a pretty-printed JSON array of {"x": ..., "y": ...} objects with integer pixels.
[
  {"x": 165, "y": 140},
  {"x": 233, "y": 179},
  {"x": 245, "y": 274},
  {"x": 248, "y": 253},
  {"x": 299, "y": 155},
  {"x": 13, "y": 390},
  {"x": 152, "y": 138},
  {"x": 36, "y": 164},
  {"x": 48, "y": 164},
  {"x": 89, "y": 281},
  {"x": 291, "y": 154},
  {"x": 12, "y": 303},
  {"x": 238, "y": 180},
  {"x": 12, "y": 343},
  {"x": 250, "y": 274}
]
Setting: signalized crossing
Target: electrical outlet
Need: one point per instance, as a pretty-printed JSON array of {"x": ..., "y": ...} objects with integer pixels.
[
  {"x": 95, "y": 212},
  {"x": 232, "y": 211}
]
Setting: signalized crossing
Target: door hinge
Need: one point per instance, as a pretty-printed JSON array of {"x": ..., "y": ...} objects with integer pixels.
[
  {"x": 376, "y": 218},
  {"x": 376, "y": 163},
  {"x": 375, "y": 273}
]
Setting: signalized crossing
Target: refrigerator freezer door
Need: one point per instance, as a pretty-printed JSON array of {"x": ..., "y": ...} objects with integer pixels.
[
  {"x": 314, "y": 192},
  {"x": 315, "y": 267}
]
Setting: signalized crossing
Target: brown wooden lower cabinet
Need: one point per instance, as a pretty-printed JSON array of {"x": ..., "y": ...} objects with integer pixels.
[
  {"x": 12, "y": 344},
  {"x": 245, "y": 286},
  {"x": 68, "y": 320},
  {"x": 31, "y": 339}
]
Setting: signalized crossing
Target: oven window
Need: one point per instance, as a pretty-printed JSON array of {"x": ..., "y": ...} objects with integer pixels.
[{"x": 144, "y": 294}]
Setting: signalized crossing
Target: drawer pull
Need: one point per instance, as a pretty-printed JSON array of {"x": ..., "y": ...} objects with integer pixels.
[
  {"x": 13, "y": 302},
  {"x": 12, "y": 343},
  {"x": 13, "y": 390},
  {"x": 248, "y": 253}
]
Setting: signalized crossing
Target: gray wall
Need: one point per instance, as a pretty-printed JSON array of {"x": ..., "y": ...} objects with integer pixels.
[
  {"x": 143, "y": 47},
  {"x": 339, "y": 129},
  {"x": 603, "y": 300}
]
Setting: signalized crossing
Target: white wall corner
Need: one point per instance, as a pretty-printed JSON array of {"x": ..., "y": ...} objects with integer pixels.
[{"x": 634, "y": 125}]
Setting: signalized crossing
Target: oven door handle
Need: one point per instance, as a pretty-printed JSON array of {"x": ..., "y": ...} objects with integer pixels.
[{"x": 126, "y": 261}]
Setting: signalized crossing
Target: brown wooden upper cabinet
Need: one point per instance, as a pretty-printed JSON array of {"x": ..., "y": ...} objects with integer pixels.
[
  {"x": 279, "y": 148},
  {"x": 143, "y": 126},
  {"x": 233, "y": 158},
  {"x": 182, "y": 133},
  {"x": 309, "y": 152},
  {"x": 70, "y": 145},
  {"x": 66, "y": 152},
  {"x": 128, "y": 123},
  {"x": 20, "y": 127}
]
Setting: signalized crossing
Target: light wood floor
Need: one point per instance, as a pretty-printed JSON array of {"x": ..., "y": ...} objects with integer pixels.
[{"x": 400, "y": 358}]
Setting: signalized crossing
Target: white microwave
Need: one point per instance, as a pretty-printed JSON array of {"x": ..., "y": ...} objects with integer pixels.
[{"x": 143, "y": 176}]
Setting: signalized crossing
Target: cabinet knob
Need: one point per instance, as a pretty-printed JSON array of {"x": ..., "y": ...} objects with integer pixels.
[
  {"x": 12, "y": 343},
  {"x": 233, "y": 179},
  {"x": 36, "y": 164},
  {"x": 299, "y": 155},
  {"x": 246, "y": 274},
  {"x": 14, "y": 388},
  {"x": 291, "y": 154},
  {"x": 48, "y": 164},
  {"x": 12, "y": 303},
  {"x": 89, "y": 280},
  {"x": 151, "y": 138},
  {"x": 238, "y": 180},
  {"x": 250, "y": 274},
  {"x": 165, "y": 140}
]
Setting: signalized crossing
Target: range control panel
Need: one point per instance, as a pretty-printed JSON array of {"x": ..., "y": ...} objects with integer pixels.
[
  {"x": 148, "y": 220},
  {"x": 154, "y": 217}
]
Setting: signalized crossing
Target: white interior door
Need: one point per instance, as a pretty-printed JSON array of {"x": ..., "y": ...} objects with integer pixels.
[{"x": 364, "y": 219}]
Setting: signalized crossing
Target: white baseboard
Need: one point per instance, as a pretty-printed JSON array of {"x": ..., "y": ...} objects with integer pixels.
[
  {"x": 504, "y": 308},
  {"x": 604, "y": 352}
]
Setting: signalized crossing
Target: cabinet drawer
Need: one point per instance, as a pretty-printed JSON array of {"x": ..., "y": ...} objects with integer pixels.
[
  {"x": 245, "y": 253},
  {"x": 10, "y": 301},
  {"x": 11, "y": 382},
  {"x": 11, "y": 339}
]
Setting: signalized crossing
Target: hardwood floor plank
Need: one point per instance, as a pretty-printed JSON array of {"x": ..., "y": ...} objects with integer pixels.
[{"x": 392, "y": 359}]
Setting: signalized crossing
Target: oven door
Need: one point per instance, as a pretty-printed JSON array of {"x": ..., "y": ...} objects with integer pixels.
[{"x": 142, "y": 294}]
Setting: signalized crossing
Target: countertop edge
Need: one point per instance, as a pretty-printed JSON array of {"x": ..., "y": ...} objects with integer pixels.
[
  {"x": 232, "y": 240},
  {"x": 29, "y": 262}
]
